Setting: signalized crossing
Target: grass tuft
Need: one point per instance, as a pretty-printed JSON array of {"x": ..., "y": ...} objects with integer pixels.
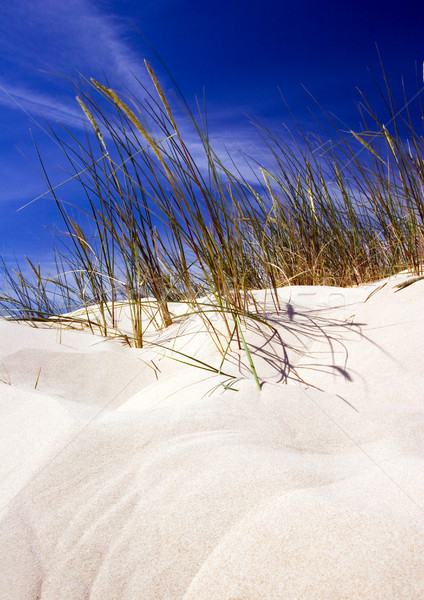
[{"x": 154, "y": 224}]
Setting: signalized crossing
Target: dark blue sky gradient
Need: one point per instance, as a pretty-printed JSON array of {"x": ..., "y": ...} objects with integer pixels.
[{"x": 240, "y": 52}]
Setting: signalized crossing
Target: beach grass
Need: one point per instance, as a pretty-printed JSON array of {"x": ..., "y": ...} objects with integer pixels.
[{"x": 159, "y": 224}]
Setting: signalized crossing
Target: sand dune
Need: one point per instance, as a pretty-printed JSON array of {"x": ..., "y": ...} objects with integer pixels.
[{"x": 127, "y": 475}]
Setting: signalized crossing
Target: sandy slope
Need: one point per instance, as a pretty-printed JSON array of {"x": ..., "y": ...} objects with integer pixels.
[{"x": 124, "y": 478}]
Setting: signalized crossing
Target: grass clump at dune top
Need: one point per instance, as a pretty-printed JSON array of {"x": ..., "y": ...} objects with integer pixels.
[{"x": 156, "y": 224}]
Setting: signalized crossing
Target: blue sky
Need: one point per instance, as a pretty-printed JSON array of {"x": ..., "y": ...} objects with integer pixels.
[{"x": 241, "y": 53}]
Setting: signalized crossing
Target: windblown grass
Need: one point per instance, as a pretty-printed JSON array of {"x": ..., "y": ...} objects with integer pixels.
[{"x": 157, "y": 225}]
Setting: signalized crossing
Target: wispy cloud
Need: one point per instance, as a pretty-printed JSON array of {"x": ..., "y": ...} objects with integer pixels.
[
  {"x": 78, "y": 36},
  {"x": 66, "y": 37},
  {"x": 38, "y": 106},
  {"x": 60, "y": 38}
]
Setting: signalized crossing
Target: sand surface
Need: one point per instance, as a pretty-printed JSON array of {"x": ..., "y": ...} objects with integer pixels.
[{"x": 127, "y": 475}]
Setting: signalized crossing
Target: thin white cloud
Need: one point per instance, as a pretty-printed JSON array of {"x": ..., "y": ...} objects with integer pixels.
[
  {"x": 79, "y": 36},
  {"x": 37, "y": 105},
  {"x": 67, "y": 37},
  {"x": 63, "y": 38}
]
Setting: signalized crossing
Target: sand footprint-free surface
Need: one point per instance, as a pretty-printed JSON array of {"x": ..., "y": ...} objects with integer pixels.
[{"x": 127, "y": 475}]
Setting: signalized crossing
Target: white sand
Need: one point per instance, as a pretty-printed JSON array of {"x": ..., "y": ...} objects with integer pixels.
[{"x": 122, "y": 483}]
